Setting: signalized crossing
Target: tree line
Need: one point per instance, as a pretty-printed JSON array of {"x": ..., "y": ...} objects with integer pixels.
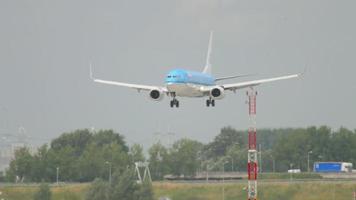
[
  {"x": 78, "y": 156},
  {"x": 82, "y": 155},
  {"x": 279, "y": 150}
]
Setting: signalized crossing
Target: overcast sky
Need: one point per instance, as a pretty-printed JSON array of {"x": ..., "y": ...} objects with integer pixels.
[{"x": 45, "y": 48}]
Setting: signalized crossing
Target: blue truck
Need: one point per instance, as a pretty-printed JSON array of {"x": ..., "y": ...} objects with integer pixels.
[{"x": 332, "y": 167}]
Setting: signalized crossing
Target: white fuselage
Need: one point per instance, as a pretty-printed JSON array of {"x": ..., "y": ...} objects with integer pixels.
[
  {"x": 185, "y": 89},
  {"x": 186, "y": 83}
]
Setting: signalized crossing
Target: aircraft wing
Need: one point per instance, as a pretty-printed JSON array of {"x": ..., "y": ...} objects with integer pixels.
[
  {"x": 231, "y": 77},
  {"x": 130, "y": 85},
  {"x": 236, "y": 86},
  {"x": 138, "y": 87}
]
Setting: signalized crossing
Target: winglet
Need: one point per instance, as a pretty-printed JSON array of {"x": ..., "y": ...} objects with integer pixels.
[
  {"x": 90, "y": 71},
  {"x": 304, "y": 72}
]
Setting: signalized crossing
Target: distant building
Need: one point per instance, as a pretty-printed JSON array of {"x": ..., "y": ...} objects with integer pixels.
[
  {"x": 7, "y": 153},
  {"x": 10, "y": 142}
]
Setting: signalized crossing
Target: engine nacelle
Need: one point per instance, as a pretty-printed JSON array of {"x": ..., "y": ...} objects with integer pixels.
[
  {"x": 217, "y": 93},
  {"x": 156, "y": 95}
]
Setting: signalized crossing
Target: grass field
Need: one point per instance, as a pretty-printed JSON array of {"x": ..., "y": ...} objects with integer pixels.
[
  {"x": 68, "y": 192},
  {"x": 317, "y": 190}
]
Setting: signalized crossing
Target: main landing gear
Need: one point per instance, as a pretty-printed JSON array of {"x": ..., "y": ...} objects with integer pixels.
[{"x": 210, "y": 102}]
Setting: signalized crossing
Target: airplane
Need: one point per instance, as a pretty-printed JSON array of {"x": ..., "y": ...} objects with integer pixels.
[{"x": 187, "y": 83}]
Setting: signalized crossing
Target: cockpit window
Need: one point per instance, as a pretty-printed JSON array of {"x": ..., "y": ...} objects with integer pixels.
[{"x": 173, "y": 76}]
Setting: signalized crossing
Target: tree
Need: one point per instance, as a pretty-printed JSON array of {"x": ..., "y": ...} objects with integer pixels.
[
  {"x": 227, "y": 137},
  {"x": 239, "y": 157},
  {"x": 320, "y": 142},
  {"x": 292, "y": 149},
  {"x": 145, "y": 191},
  {"x": 95, "y": 159},
  {"x": 98, "y": 190},
  {"x": 79, "y": 155},
  {"x": 159, "y": 161},
  {"x": 66, "y": 160},
  {"x": 82, "y": 155},
  {"x": 44, "y": 193},
  {"x": 104, "y": 137},
  {"x": 136, "y": 153},
  {"x": 185, "y": 157},
  {"x": 124, "y": 185},
  {"x": 342, "y": 145},
  {"x": 40, "y": 171},
  {"x": 78, "y": 140},
  {"x": 21, "y": 165}
]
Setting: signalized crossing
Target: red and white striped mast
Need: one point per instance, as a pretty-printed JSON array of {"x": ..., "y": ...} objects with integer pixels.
[{"x": 252, "y": 151}]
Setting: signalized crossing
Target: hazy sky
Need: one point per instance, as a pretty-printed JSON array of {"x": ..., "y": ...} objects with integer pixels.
[{"x": 45, "y": 48}]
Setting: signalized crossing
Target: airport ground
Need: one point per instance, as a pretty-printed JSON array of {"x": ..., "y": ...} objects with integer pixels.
[{"x": 268, "y": 189}]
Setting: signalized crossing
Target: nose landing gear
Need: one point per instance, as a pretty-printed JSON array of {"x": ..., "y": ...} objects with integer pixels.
[{"x": 174, "y": 102}]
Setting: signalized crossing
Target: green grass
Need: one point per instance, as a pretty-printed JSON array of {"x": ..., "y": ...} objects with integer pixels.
[
  {"x": 199, "y": 191},
  {"x": 288, "y": 176},
  {"x": 275, "y": 191},
  {"x": 68, "y": 192}
]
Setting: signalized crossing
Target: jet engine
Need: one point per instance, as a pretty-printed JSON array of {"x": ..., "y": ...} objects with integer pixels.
[
  {"x": 217, "y": 93},
  {"x": 156, "y": 95}
]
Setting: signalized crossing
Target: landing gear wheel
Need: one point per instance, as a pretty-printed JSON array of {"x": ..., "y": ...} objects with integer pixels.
[
  {"x": 210, "y": 102},
  {"x": 172, "y": 104},
  {"x": 175, "y": 103}
]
